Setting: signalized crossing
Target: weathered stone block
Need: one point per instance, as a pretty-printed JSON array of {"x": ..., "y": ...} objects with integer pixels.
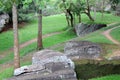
[
  {"x": 82, "y": 50},
  {"x": 47, "y": 65}
]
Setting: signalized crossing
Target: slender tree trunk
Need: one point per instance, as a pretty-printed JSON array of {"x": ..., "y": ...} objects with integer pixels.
[
  {"x": 71, "y": 18},
  {"x": 39, "y": 41},
  {"x": 90, "y": 17},
  {"x": 16, "y": 39},
  {"x": 88, "y": 11},
  {"x": 67, "y": 18},
  {"x": 79, "y": 17},
  {"x": 74, "y": 20},
  {"x": 102, "y": 9}
]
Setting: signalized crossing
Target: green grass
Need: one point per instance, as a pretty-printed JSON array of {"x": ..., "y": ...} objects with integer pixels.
[
  {"x": 7, "y": 73},
  {"x": 107, "y": 19},
  {"x": 50, "y": 24},
  {"x": 110, "y": 77},
  {"x": 50, "y": 41},
  {"x": 47, "y": 42},
  {"x": 116, "y": 33},
  {"x": 96, "y": 37}
]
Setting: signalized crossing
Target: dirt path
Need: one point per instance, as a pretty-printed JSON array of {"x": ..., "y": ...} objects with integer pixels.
[
  {"x": 107, "y": 35},
  {"x": 3, "y": 54},
  {"x": 35, "y": 40}
]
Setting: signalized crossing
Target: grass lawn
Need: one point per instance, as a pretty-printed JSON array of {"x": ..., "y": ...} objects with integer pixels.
[
  {"x": 47, "y": 42},
  {"x": 107, "y": 19},
  {"x": 116, "y": 33},
  {"x": 110, "y": 77},
  {"x": 29, "y": 31},
  {"x": 56, "y": 39},
  {"x": 50, "y": 24},
  {"x": 9, "y": 71},
  {"x": 96, "y": 37}
]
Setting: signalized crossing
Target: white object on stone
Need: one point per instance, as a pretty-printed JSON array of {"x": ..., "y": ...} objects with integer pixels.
[
  {"x": 30, "y": 68},
  {"x": 21, "y": 70}
]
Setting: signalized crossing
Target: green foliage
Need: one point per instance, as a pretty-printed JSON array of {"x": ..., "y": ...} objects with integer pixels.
[
  {"x": 6, "y": 5},
  {"x": 114, "y": 3},
  {"x": 39, "y": 4}
]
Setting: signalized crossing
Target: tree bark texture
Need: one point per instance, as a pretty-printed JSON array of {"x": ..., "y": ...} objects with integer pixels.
[
  {"x": 39, "y": 41},
  {"x": 16, "y": 39}
]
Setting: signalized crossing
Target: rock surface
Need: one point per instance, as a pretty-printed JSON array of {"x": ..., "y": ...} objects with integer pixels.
[
  {"x": 47, "y": 65},
  {"x": 82, "y": 50},
  {"x": 82, "y": 29},
  {"x": 114, "y": 58},
  {"x": 4, "y": 18}
]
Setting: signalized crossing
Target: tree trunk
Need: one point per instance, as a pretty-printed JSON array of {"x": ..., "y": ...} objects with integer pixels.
[
  {"x": 79, "y": 17},
  {"x": 16, "y": 39},
  {"x": 67, "y": 18},
  {"x": 102, "y": 9},
  {"x": 39, "y": 41},
  {"x": 88, "y": 11},
  {"x": 71, "y": 18},
  {"x": 90, "y": 17}
]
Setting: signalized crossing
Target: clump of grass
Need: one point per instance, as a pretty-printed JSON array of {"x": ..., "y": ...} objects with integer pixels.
[
  {"x": 109, "y": 77},
  {"x": 96, "y": 37},
  {"x": 116, "y": 33},
  {"x": 6, "y": 73}
]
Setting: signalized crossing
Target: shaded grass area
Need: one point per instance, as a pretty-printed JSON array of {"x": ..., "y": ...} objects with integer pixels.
[
  {"x": 87, "y": 69},
  {"x": 109, "y": 77},
  {"x": 116, "y": 33}
]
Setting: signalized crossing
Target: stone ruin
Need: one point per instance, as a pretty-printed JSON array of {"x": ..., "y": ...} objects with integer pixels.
[
  {"x": 4, "y": 18},
  {"x": 52, "y": 65},
  {"x": 47, "y": 65},
  {"x": 83, "y": 29},
  {"x": 82, "y": 50}
]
